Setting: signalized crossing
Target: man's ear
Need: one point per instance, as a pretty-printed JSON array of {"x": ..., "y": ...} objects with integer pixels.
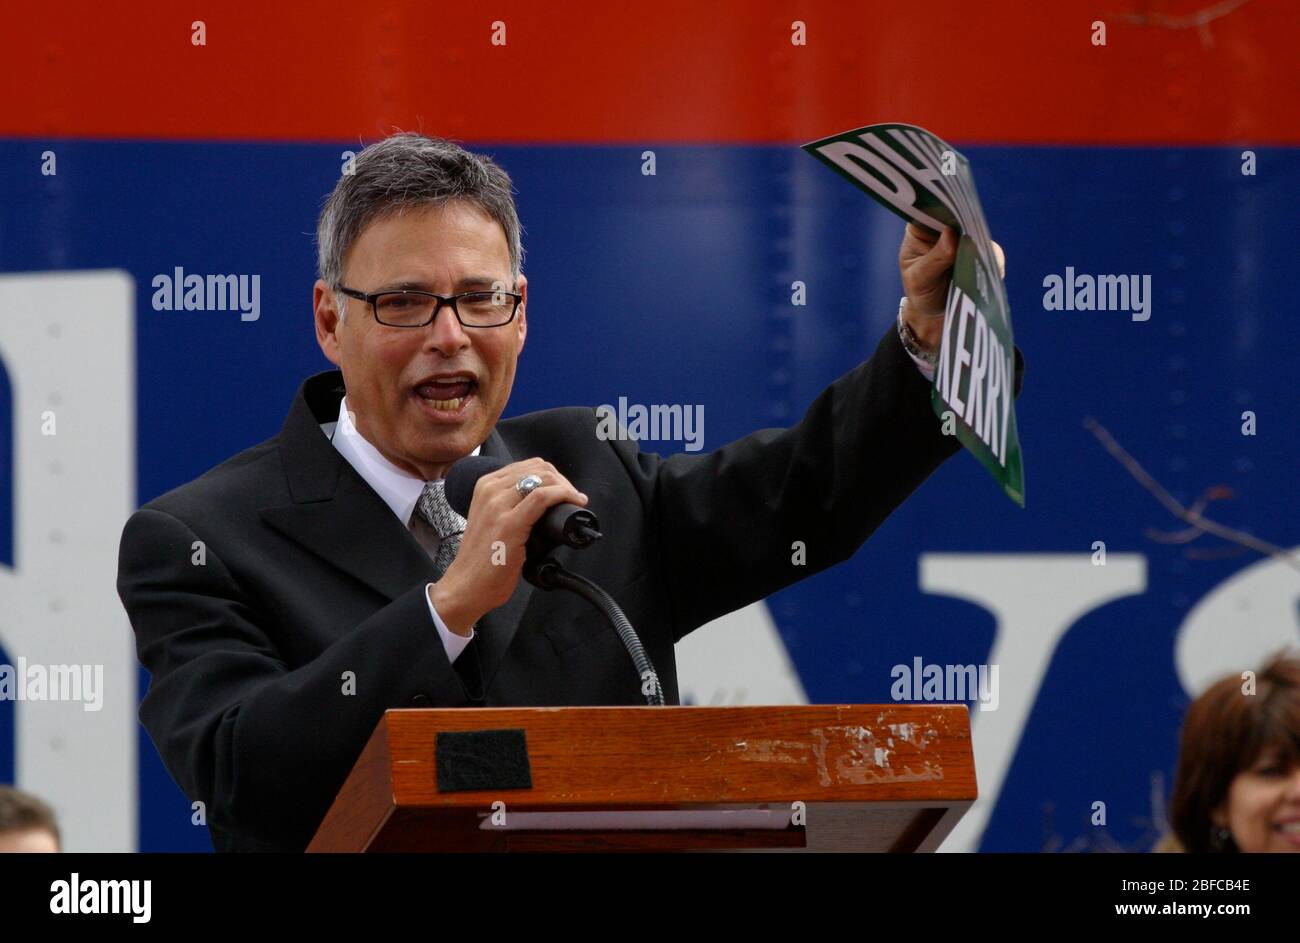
[
  {"x": 522, "y": 316},
  {"x": 328, "y": 323}
]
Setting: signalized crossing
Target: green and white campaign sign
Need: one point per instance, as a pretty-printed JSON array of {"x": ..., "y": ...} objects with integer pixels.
[{"x": 927, "y": 182}]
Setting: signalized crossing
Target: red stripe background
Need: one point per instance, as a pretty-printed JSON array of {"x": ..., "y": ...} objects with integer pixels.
[{"x": 664, "y": 71}]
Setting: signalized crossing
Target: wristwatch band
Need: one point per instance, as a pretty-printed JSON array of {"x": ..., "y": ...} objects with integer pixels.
[{"x": 909, "y": 339}]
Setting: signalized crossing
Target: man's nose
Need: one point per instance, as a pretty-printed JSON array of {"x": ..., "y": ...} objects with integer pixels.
[{"x": 446, "y": 333}]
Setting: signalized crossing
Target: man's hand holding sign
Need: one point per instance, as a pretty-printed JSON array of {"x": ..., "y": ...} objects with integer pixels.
[
  {"x": 925, "y": 261},
  {"x": 956, "y": 309}
]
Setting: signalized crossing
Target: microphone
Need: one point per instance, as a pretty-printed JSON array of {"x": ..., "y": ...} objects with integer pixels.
[{"x": 566, "y": 524}]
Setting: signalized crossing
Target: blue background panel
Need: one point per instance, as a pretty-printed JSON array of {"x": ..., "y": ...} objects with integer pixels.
[{"x": 675, "y": 289}]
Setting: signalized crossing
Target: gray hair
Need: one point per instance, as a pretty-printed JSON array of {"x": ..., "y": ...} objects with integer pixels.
[{"x": 409, "y": 170}]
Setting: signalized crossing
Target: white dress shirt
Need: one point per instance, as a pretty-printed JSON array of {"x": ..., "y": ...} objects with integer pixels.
[{"x": 400, "y": 491}]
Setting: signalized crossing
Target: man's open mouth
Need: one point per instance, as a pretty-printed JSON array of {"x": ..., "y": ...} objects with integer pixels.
[{"x": 446, "y": 395}]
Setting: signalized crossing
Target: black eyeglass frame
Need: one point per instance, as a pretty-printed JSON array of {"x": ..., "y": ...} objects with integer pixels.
[{"x": 451, "y": 300}]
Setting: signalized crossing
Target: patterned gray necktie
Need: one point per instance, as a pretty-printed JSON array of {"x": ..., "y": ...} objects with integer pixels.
[{"x": 438, "y": 514}]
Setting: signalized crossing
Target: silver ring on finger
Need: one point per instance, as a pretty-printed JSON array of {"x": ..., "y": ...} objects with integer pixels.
[{"x": 528, "y": 484}]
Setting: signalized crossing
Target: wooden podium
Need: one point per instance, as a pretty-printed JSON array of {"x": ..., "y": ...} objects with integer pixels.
[{"x": 858, "y": 777}]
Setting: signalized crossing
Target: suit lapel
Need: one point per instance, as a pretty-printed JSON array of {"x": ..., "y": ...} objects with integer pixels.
[
  {"x": 334, "y": 513},
  {"x": 337, "y": 516},
  {"x": 357, "y": 532}
]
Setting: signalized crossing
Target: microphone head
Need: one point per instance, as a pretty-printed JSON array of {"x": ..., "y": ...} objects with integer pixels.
[{"x": 464, "y": 475}]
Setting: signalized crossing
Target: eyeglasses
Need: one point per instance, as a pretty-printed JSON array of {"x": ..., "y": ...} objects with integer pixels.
[{"x": 419, "y": 308}]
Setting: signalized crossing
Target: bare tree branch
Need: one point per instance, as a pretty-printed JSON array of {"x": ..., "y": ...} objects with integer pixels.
[
  {"x": 1192, "y": 516},
  {"x": 1199, "y": 21}
]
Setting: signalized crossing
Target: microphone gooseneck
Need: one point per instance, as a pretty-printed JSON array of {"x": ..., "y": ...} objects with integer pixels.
[{"x": 546, "y": 573}]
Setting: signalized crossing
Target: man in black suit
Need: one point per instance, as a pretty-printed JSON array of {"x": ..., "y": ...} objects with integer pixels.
[{"x": 288, "y": 597}]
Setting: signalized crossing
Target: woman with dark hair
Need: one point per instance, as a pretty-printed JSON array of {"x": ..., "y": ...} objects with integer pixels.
[{"x": 1238, "y": 782}]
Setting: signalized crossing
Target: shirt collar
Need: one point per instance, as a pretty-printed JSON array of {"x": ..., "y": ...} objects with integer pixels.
[{"x": 399, "y": 489}]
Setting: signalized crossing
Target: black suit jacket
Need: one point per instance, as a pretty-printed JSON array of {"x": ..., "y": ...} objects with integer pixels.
[{"x": 307, "y": 574}]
